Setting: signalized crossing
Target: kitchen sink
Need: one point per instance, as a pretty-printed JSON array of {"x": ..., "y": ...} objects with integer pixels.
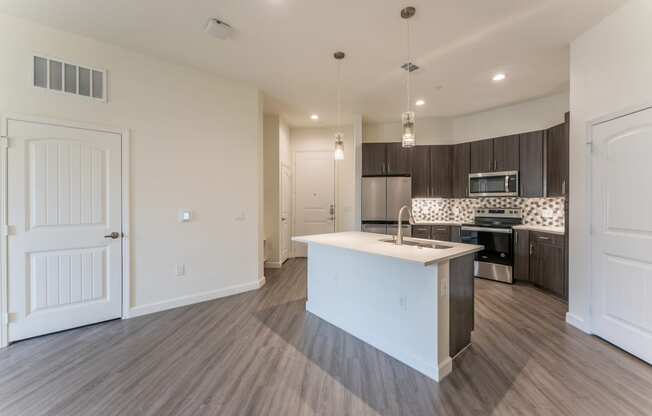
[{"x": 419, "y": 244}]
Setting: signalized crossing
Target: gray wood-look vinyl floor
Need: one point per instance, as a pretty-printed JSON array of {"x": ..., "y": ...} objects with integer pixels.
[{"x": 260, "y": 353}]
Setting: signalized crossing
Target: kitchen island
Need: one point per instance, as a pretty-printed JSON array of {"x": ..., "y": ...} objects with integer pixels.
[{"x": 412, "y": 301}]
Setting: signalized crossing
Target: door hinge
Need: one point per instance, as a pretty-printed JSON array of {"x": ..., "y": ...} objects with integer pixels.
[{"x": 4, "y": 141}]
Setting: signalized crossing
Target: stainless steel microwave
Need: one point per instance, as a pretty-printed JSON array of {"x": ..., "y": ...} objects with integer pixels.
[{"x": 493, "y": 184}]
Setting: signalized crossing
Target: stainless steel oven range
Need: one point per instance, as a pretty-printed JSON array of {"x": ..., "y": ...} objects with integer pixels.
[{"x": 492, "y": 228}]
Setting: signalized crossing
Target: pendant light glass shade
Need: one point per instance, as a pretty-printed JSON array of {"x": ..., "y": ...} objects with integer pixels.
[
  {"x": 408, "y": 129},
  {"x": 339, "y": 146}
]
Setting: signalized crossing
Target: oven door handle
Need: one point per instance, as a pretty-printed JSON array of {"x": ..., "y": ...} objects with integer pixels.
[{"x": 488, "y": 230}]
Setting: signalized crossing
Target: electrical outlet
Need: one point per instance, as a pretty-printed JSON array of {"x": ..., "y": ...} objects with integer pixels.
[
  {"x": 181, "y": 270},
  {"x": 546, "y": 213}
]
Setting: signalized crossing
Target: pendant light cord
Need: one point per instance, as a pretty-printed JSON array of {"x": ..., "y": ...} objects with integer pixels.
[
  {"x": 409, "y": 65},
  {"x": 339, "y": 94}
]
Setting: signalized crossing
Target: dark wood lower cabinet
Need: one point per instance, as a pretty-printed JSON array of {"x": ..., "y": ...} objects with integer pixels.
[
  {"x": 441, "y": 232},
  {"x": 438, "y": 232},
  {"x": 456, "y": 233},
  {"x": 522, "y": 255},
  {"x": 421, "y": 231},
  {"x": 461, "y": 303},
  {"x": 541, "y": 259}
]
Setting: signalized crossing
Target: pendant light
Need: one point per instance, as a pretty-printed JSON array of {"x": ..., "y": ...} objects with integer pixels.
[
  {"x": 407, "y": 119},
  {"x": 339, "y": 137}
]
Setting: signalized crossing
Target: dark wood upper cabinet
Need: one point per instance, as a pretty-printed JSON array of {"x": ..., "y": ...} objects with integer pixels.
[
  {"x": 398, "y": 159},
  {"x": 440, "y": 171},
  {"x": 374, "y": 159},
  {"x": 420, "y": 171},
  {"x": 531, "y": 164},
  {"x": 506, "y": 153},
  {"x": 522, "y": 255},
  {"x": 482, "y": 156},
  {"x": 461, "y": 169},
  {"x": 557, "y": 155}
]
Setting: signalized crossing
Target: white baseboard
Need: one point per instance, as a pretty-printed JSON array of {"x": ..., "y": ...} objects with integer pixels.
[
  {"x": 273, "y": 264},
  {"x": 577, "y": 322},
  {"x": 445, "y": 368},
  {"x": 197, "y": 298}
]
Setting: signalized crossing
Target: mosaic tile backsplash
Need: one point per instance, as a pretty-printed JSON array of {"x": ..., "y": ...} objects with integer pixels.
[{"x": 462, "y": 210}]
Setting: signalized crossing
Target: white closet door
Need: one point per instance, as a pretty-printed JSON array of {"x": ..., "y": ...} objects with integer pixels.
[
  {"x": 64, "y": 197},
  {"x": 622, "y": 233}
]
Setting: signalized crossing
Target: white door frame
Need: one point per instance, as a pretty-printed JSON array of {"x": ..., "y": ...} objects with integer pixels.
[
  {"x": 290, "y": 219},
  {"x": 591, "y": 125},
  {"x": 4, "y": 207}
]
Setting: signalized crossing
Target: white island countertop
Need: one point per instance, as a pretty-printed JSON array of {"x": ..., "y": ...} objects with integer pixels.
[{"x": 371, "y": 243}]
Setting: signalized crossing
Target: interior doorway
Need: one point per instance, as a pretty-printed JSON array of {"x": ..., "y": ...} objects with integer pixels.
[
  {"x": 621, "y": 239},
  {"x": 64, "y": 206}
]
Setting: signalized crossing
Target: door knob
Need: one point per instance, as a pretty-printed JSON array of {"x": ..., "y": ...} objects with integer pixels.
[{"x": 114, "y": 236}]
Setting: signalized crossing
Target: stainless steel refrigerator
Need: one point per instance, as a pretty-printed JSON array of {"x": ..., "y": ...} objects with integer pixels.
[{"x": 382, "y": 198}]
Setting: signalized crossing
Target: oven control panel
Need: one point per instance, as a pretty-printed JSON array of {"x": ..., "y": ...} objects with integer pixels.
[{"x": 499, "y": 212}]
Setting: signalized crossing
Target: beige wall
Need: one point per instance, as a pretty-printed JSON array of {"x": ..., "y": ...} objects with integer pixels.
[
  {"x": 430, "y": 130},
  {"x": 610, "y": 72},
  {"x": 536, "y": 114},
  {"x": 196, "y": 143}
]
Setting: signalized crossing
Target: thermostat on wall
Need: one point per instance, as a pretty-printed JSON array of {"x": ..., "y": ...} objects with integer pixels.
[{"x": 185, "y": 215}]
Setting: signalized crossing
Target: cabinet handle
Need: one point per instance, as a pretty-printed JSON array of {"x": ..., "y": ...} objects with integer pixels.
[
  {"x": 531, "y": 248},
  {"x": 495, "y": 165},
  {"x": 543, "y": 238},
  {"x": 516, "y": 237},
  {"x": 563, "y": 188}
]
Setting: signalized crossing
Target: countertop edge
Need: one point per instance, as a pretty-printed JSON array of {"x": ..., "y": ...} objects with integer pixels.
[{"x": 471, "y": 250}]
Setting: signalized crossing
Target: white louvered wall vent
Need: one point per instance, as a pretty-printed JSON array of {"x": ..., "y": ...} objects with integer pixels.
[{"x": 64, "y": 77}]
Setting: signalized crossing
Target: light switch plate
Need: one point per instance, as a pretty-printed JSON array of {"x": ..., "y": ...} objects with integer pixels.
[{"x": 180, "y": 270}]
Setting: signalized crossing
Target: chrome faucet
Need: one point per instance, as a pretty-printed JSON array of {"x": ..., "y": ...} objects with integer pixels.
[{"x": 399, "y": 233}]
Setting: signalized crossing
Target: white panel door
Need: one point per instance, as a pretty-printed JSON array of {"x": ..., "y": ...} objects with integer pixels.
[
  {"x": 286, "y": 204},
  {"x": 315, "y": 196},
  {"x": 622, "y": 233},
  {"x": 64, "y": 197}
]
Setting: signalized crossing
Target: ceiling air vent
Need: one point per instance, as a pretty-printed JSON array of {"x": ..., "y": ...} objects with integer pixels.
[
  {"x": 64, "y": 77},
  {"x": 410, "y": 65}
]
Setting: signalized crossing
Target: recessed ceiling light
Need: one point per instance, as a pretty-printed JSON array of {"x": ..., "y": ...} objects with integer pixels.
[
  {"x": 419, "y": 103},
  {"x": 314, "y": 117},
  {"x": 499, "y": 77}
]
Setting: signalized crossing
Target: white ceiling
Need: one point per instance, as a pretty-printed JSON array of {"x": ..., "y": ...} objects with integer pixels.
[{"x": 285, "y": 47}]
